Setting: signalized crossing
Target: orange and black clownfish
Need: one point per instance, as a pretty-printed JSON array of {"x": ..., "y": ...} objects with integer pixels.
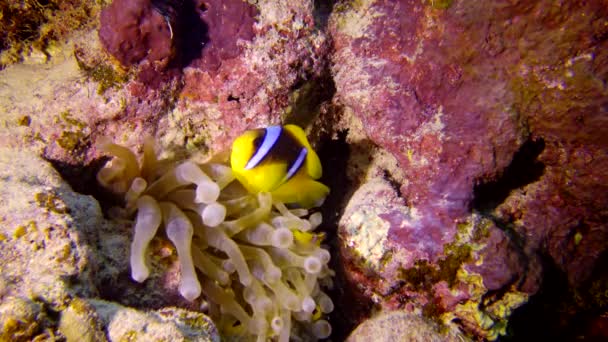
[{"x": 279, "y": 160}]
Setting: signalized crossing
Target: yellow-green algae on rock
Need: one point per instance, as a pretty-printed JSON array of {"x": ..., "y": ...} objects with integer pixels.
[
  {"x": 260, "y": 265},
  {"x": 92, "y": 320},
  {"x": 20, "y": 319},
  {"x": 488, "y": 319}
]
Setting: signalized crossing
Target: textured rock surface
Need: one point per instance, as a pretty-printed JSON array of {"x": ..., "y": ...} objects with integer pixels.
[
  {"x": 44, "y": 232},
  {"x": 237, "y": 64},
  {"x": 252, "y": 59},
  {"x": 135, "y": 30},
  {"x": 401, "y": 326},
  {"x": 20, "y": 319},
  {"x": 476, "y": 132},
  {"x": 31, "y": 31},
  {"x": 87, "y": 319},
  {"x": 251, "y": 84},
  {"x": 56, "y": 245},
  {"x": 473, "y": 100}
]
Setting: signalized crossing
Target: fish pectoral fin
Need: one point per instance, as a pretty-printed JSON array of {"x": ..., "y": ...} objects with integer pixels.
[
  {"x": 313, "y": 164},
  {"x": 301, "y": 190},
  {"x": 263, "y": 178}
]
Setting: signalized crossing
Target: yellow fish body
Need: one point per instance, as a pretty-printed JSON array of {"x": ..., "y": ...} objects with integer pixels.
[{"x": 279, "y": 160}]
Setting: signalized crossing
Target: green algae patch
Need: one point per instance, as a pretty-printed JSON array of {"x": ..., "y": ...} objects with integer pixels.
[
  {"x": 491, "y": 319},
  {"x": 21, "y": 319},
  {"x": 196, "y": 138},
  {"x": 51, "y": 202},
  {"x": 31, "y": 25},
  {"x": 67, "y": 118},
  {"x": 305, "y": 102},
  {"x": 439, "y": 4},
  {"x": 22, "y": 230},
  {"x": 354, "y": 18},
  {"x": 423, "y": 275},
  {"x": 75, "y": 134},
  {"x": 101, "y": 72},
  {"x": 25, "y": 121},
  {"x": 70, "y": 140},
  {"x": 129, "y": 336},
  {"x": 80, "y": 322}
]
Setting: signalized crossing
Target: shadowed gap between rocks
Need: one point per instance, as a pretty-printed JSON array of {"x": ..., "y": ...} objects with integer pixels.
[
  {"x": 311, "y": 95},
  {"x": 560, "y": 313},
  {"x": 83, "y": 180},
  {"x": 190, "y": 31},
  {"x": 321, "y": 11},
  {"x": 523, "y": 170},
  {"x": 334, "y": 155}
]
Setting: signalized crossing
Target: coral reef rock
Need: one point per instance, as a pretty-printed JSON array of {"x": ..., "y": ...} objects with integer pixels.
[
  {"x": 401, "y": 326},
  {"x": 43, "y": 237},
  {"x": 237, "y": 63},
  {"x": 56, "y": 252},
  {"x": 87, "y": 319},
  {"x": 495, "y": 116},
  {"x": 136, "y": 30}
]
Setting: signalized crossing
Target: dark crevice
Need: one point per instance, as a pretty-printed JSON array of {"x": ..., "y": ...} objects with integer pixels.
[
  {"x": 524, "y": 169},
  {"x": 559, "y": 312},
  {"x": 194, "y": 32},
  {"x": 83, "y": 180},
  {"x": 189, "y": 30},
  {"x": 334, "y": 157},
  {"x": 507, "y": 226},
  {"x": 311, "y": 95},
  {"x": 395, "y": 184},
  {"x": 321, "y": 12},
  {"x": 351, "y": 305}
]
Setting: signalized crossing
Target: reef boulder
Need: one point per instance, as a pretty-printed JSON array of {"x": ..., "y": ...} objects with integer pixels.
[
  {"x": 136, "y": 30},
  {"x": 217, "y": 64},
  {"x": 495, "y": 132},
  {"x": 57, "y": 252}
]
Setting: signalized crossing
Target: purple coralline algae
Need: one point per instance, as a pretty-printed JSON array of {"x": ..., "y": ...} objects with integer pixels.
[{"x": 494, "y": 114}]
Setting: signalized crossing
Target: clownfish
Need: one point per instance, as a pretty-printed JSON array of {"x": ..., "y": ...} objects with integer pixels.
[{"x": 279, "y": 160}]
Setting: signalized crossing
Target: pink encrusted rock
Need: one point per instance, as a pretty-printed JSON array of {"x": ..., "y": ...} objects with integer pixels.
[
  {"x": 407, "y": 80},
  {"x": 564, "y": 213},
  {"x": 229, "y": 66},
  {"x": 229, "y": 24},
  {"x": 454, "y": 93},
  {"x": 133, "y": 31},
  {"x": 254, "y": 58},
  {"x": 236, "y": 65}
]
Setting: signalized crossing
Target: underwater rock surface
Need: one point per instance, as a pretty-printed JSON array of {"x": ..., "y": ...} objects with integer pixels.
[
  {"x": 476, "y": 131},
  {"x": 86, "y": 319},
  {"x": 55, "y": 246},
  {"x": 401, "y": 326},
  {"x": 233, "y": 64},
  {"x": 487, "y": 107},
  {"x": 135, "y": 30}
]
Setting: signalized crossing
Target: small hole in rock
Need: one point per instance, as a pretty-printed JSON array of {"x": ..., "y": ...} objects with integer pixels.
[{"x": 523, "y": 170}]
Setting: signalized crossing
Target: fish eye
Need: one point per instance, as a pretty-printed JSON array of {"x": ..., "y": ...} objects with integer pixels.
[{"x": 257, "y": 142}]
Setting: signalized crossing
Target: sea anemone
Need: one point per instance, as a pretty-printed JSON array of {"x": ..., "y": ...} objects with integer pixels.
[{"x": 260, "y": 264}]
